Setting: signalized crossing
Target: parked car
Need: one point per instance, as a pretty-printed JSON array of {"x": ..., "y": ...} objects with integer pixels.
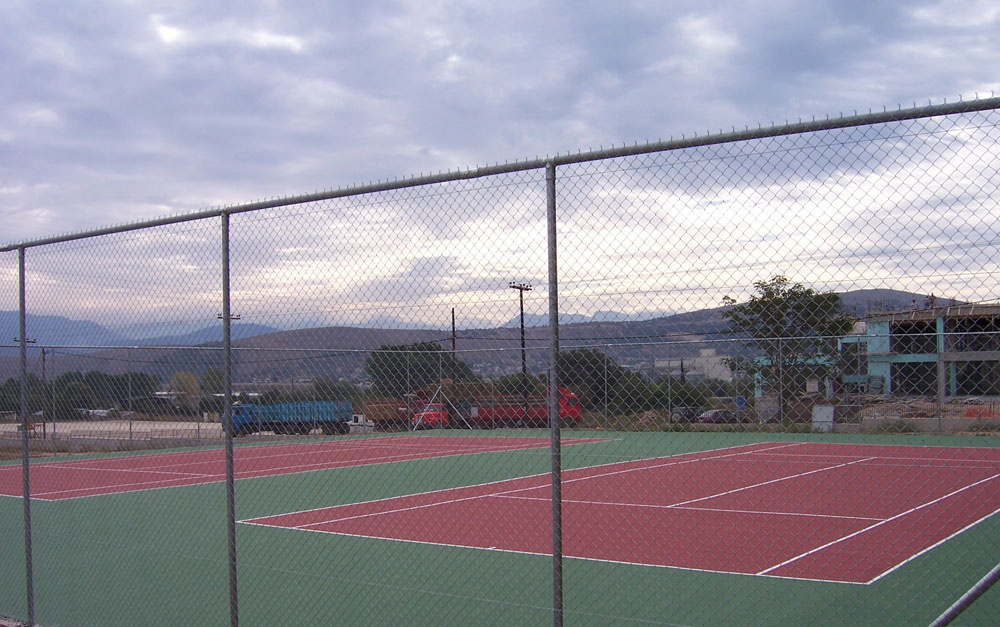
[
  {"x": 685, "y": 414},
  {"x": 718, "y": 416}
]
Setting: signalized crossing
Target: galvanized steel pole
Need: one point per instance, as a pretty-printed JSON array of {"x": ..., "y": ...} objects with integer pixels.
[
  {"x": 227, "y": 413},
  {"x": 553, "y": 400},
  {"x": 23, "y": 341},
  {"x": 978, "y": 590}
]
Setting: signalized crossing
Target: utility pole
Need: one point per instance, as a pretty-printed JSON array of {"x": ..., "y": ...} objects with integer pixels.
[
  {"x": 521, "y": 289},
  {"x": 43, "y": 387},
  {"x": 53, "y": 399}
]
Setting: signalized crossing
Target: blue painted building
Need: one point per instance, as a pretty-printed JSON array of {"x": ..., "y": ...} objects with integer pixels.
[{"x": 946, "y": 351}]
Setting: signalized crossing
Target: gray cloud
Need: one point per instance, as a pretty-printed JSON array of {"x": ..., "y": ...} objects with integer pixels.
[
  {"x": 128, "y": 111},
  {"x": 125, "y": 111}
]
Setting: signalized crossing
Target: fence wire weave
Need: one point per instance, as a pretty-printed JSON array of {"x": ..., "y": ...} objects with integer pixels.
[{"x": 776, "y": 396}]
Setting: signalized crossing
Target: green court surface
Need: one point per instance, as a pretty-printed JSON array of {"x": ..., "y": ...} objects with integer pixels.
[{"x": 159, "y": 557}]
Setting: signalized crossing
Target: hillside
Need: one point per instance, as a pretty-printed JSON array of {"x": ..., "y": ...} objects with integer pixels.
[{"x": 339, "y": 352}]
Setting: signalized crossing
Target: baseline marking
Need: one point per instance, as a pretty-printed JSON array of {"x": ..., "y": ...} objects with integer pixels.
[
  {"x": 512, "y": 494},
  {"x": 878, "y": 524}
]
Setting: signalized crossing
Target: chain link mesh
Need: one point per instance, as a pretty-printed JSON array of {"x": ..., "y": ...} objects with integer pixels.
[{"x": 777, "y": 387}]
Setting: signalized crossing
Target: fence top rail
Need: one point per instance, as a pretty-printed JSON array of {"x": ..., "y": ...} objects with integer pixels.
[{"x": 625, "y": 150}]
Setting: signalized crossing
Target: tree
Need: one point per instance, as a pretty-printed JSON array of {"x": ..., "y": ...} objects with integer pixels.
[
  {"x": 212, "y": 381},
  {"x": 669, "y": 393},
  {"x": 398, "y": 370},
  {"x": 140, "y": 383},
  {"x": 37, "y": 395},
  {"x": 595, "y": 377},
  {"x": 76, "y": 395},
  {"x": 104, "y": 387},
  {"x": 185, "y": 386},
  {"x": 516, "y": 384},
  {"x": 795, "y": 327}
]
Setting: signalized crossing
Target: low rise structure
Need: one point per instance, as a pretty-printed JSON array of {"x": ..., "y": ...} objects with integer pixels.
[
  {"x": 937, "y": 351},
  {"x": 703, "y": 366}
]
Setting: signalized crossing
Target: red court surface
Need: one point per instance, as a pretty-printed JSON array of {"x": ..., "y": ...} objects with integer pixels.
[
  {"x": 826, "y": 512},
  {"x": 57, "y": 480}
]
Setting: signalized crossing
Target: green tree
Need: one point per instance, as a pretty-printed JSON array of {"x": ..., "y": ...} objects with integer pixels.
[
  {"x": 597, "y": 379},
  {"x": 516, "y": 384},
  {"x": 37, "y": 395},
  {"x": 104, "y": 386},
  {"x": 212, "y": 381},
  {"x": 671, "y": 394},
  {"x": 140, "y": 384},
  {"x": 794, "y": 327},
  {"x": 185, "y": 386},
  {"x": 399, "y": 370},
  {"x": 74, "y": 396}
]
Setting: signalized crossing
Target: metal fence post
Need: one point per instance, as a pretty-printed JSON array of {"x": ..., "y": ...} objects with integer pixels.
[
  {"x": 942, "y": 373},
  {"x": 781, "y": 387},
  {"x": 130, "y": 416},
  {"x": 227, "y": 413},
  {"x": 55, "y": 446},
  {"x": 605, "y": 391},
  {"x": 409, "y": 426},
  {"x": 671, "y": 403},
  {"x": 553, "y": 400},
  {"x": 22, "y": 341}
]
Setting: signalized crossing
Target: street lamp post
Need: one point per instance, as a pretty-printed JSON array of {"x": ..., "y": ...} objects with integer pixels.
[{"x": 521, "y": 289}]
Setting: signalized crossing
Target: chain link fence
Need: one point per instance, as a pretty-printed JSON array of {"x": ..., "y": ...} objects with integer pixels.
[{"x": 770, "y": 395}]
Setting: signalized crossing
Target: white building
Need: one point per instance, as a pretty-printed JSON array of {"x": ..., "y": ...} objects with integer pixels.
[{"x": 705, "y": 365}]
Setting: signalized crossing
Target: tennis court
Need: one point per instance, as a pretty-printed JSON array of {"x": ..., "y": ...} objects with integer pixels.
[
  {"x": 447, "y": 527},
  {"x": 822, "y": 502},
  {"x": 107, "y": 475}
]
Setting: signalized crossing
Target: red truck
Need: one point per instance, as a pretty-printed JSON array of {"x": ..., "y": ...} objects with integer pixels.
[{"x": 490, "y": 411}]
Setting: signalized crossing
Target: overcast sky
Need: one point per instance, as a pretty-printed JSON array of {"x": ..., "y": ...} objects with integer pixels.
[
  {"x": 119, "y": 111},
  {"x": 113, "y": 112}
]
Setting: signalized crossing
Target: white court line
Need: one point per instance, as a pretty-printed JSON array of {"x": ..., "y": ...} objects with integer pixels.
[
  {"x": 421, "y": 453},
  {"x": 407, "y": 509},
  {"x": 478, "y": 485},
  {"x": 934, "y": 546},
  {"x": 876, "y": 525},
  {"x": 118, "y": 485},
  {"x": 902, "y": 458},
  {"x": 668, "y": 463},
  {"x": 295, "y": 449},
  {"x": 330, "y": 464},
  {"x": 221, "y": 477},
  {"x": 512, "y": 491},
  {"x": 722, "y": 510},
  {"x": 132, "y": 470},
  {"x": 763, "y": 483},
  {"x": 508, "y": 494},
  {"x": 980, "y": 465},
  {"x": 719, "y": 494},
  {"x": 541, "y": 554}
]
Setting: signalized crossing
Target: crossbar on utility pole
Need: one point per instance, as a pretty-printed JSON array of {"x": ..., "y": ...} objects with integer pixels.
[{"x": 521, "y": 289}]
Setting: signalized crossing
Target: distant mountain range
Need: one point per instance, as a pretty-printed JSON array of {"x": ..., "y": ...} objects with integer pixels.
[
  {"x": 61, "y": 331},
  {"x": 263, "y": 352},
  {"x": 541, "y": 320}
]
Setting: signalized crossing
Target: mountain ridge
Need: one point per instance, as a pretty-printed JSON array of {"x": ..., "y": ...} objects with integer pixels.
[{"x": 339, "y": 351}]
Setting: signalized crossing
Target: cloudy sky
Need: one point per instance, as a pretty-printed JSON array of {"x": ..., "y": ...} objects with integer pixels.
[{"x": 120, "y": 111}]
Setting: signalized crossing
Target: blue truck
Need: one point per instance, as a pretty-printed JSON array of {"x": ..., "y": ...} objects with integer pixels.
[{"x": 296, "y": 417}]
